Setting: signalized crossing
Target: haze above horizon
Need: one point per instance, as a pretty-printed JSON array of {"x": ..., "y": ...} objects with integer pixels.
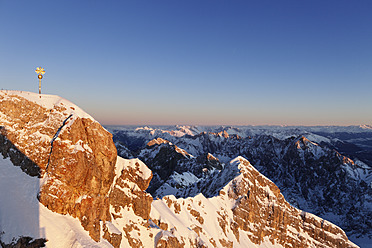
[{"x": 195, "y": 62}]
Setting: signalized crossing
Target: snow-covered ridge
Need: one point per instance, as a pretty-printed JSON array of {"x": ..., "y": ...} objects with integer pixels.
[
  {"x": 48, "y": 102},
  {"x": 34, "y": 121},
  {"x": 245, "y": 214}
]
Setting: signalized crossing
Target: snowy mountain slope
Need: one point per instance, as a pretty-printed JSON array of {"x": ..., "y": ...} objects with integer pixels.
[
  {"x": 248, "y": 212},
  {"x": 310, "y": 172}
]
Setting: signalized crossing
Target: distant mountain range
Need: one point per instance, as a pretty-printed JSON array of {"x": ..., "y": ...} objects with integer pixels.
[{"x": 325, "y": 170}]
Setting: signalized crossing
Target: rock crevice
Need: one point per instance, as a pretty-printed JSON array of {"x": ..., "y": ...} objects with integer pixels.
[{"x": 55, "y": 137}]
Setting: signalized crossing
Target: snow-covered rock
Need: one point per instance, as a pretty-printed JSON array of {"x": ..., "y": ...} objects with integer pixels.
[{"x": 249, "y": 211}]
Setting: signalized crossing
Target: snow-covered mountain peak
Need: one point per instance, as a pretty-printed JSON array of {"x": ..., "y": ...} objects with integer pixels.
[
  {"x": 249, "y": 211},
  {"x": 46, "y": 101},
  {"x": 157, "y": 141},
  {"x": 239, "y": 160},
  {"x": 366, "y": 127}
]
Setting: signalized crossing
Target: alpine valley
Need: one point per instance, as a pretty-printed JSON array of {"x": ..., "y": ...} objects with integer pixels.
[{"x": 66, "y": 181}]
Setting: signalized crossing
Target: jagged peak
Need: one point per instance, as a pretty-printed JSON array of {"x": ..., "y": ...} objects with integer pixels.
[
  {"x": 211, "y": 157},
  {"x": 223, "y": 134},
  {"x": 239, "y": 216},
  {"x": 238, "y": 160},
  {"x": 302, "y": 142},
  {"x": 162, "y": 142},
  {"x": 157, "y": 141}
]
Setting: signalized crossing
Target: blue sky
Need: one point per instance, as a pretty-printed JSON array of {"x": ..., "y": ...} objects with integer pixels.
[{"x": 195, "y": 62}]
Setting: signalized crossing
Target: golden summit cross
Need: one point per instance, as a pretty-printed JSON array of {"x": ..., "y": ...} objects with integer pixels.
[{"x": 40, "y": 71}]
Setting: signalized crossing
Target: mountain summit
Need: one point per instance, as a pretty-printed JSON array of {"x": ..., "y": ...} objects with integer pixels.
[{"x": 63, "y": 185}]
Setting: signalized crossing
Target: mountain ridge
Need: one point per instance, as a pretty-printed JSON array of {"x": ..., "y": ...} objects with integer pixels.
[{"x": 289, "y": 157}]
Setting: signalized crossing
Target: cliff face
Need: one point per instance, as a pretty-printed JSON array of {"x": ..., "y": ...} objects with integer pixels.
[
  {"x": 80, "y": 173},
  {"x": 51, "y": 138}
]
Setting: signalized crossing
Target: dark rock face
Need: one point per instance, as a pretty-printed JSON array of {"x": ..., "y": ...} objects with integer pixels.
[
  {"x": 166, "y": 161},
  {"x": 9, "y": 150},
  {"x": 131, "y": 143},
  {"x": 25, "y": 242},
  {"x": 209, "y": 161},
  {"x": 123, "y": 151}
]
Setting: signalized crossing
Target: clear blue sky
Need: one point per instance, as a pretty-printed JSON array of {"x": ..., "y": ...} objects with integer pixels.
[{"x": 195, "y": 62}]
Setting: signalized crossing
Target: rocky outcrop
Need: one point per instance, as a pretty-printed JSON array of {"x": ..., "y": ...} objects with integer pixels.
[
  {"x": 209, "y": 161},
  {"x": 29, "y": 127},
  {"x": 80, "y": 174},
  {"x": 77, "y": 168},
  {"x": 134, "y": 178},
  {"x": 76, "y": 161},
  {"x": 25, "y": 242},
  {"x": 157, "y": 141},
  {"x": 130, "y": 205}
]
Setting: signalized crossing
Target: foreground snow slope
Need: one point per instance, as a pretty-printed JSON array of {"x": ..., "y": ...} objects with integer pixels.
[{"x": 21, "y": 214}]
